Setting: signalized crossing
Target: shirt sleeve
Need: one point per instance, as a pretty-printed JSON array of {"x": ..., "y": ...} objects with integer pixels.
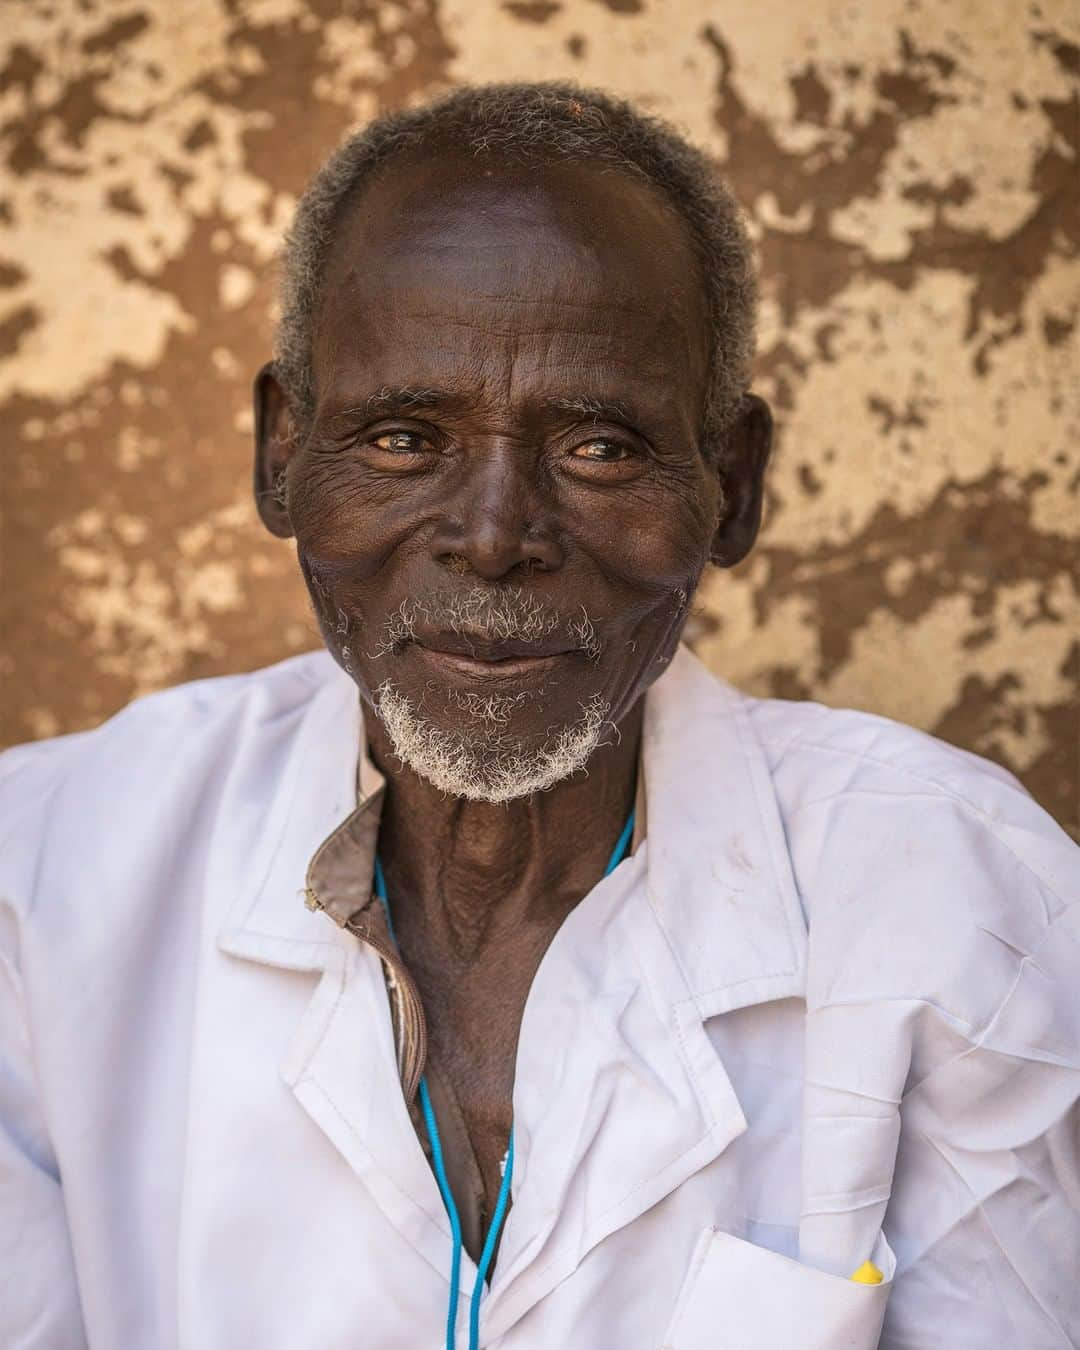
[
  {"x": 943, "y": 1046},
  {"x": 990, "y": 1238},
  {"x": 39, "y": 1300}
]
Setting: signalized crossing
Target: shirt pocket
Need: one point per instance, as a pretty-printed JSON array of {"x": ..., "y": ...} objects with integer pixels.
[{"x": 738, "y": 1296}]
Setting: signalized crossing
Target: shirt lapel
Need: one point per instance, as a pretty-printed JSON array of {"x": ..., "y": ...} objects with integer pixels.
[
  {"x": 311, "y": 763},
  {"x": 720, "y": 881},
  {"x": 340, "y": 1061},
  {"x": 620, "y": 1095}
]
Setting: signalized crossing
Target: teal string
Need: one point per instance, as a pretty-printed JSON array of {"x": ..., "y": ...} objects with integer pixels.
[
  {"x": 437, "y": 1159},
  {"x": 489, "y": 1249},
  {"x": 439, "y": 1164},
  {"x": 451, "y": 1211}
]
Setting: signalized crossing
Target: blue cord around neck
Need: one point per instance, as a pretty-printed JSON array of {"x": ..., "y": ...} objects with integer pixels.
[{"x": 439, "y": 1163}]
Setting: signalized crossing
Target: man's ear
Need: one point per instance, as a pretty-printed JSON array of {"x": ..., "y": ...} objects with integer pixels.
[
  {"x": 275, "y": 441},
  {"x": 742, "y": 482}
]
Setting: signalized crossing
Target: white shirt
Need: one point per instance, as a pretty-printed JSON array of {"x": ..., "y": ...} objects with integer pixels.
[{"x": 837, "y": 934}]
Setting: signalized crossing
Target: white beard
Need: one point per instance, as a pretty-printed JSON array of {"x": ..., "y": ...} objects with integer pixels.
[{"x": 487, "y": 765}]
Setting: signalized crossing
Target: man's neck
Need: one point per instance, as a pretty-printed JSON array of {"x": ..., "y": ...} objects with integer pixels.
[{"x": 465, "y": 876}]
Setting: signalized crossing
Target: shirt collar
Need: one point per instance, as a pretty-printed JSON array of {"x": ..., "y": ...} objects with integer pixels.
[{"x": 718, "y": 873}]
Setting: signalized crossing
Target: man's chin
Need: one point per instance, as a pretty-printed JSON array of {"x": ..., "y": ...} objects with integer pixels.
[{"x": 486, "y": 752}]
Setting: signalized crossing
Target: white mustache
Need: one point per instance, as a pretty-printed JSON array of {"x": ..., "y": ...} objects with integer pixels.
[{"x": 503, "y": 614}]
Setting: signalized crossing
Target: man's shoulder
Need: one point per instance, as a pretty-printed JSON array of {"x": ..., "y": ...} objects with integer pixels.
[
  {"x": 889, "y": 784},
  {"x": 194, "y": 708},
  {"x": 145, "y": 753},
  {"x": 817, "y": 754},
  {"x": 819, "y": 751},
  {"x": 928, "y": 876}
]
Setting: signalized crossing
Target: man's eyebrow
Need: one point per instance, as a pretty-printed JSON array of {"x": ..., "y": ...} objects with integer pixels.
[
  {"x": 393, "y": 399},
  {"x": 613, "y": 410},
  {"x": 388, "y": 399}
]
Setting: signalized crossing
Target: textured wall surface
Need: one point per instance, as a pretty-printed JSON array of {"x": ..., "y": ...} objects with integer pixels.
[{"x": 911, "y": 170}]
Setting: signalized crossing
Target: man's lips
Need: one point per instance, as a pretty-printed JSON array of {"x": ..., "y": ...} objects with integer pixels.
[
  {"x": 484, "y": 656},
  {"x": 488, "y": 649}
]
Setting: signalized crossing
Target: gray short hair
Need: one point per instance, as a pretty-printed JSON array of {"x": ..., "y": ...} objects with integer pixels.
[{"x": 535, "y": 123}]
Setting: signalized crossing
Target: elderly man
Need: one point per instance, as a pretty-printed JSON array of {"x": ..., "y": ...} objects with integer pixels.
[{"x": 623, "y": 1011}]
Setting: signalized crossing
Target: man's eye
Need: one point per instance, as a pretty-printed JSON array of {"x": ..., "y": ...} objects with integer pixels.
[
  {"x": 601, "y": 451},
  {"x": 400, "y": 442}
]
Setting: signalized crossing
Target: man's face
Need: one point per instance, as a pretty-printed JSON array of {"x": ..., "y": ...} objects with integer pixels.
[{"x": 502, "y": 509}]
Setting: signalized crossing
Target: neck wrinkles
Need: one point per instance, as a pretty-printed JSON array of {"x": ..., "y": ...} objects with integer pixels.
[{"x": 463, "y": 876}]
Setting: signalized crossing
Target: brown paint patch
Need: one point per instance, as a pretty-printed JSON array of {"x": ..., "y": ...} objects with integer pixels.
[
  {"x": 1067, "y": 54},
  {"x": 532, "y": 11},
  {"x": 955, "y": 192},
  {"x": 200, "y": 135},
  {"x": 812, "y": 97},
  {"x": 981, "y": 715},
  {"x": 122, "y": 263},
  {"x": 21, "y": 70},
  {"x": 115, "y": 34},
  {"x": 890, "y": 416},
  {"x": 123, "y": 199},
  {"x": 15, "y": 327},
  {"x": 974, "y": 538},
  {"x": 1057, "y": 330},
  {"x": 10, "y": 275}
]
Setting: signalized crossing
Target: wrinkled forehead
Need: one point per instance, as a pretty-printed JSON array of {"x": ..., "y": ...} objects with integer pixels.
[{"x": 511, "y": 246}]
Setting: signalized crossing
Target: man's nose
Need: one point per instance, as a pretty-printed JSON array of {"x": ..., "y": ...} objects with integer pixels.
[{"x": 498, "y": 520}]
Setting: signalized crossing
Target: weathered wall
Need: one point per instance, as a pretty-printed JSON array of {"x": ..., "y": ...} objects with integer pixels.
[{"x": 911, "y": 167}]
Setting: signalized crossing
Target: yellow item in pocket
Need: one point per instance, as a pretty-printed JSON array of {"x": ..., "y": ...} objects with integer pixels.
[{"x": 868, "y": 1273}]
